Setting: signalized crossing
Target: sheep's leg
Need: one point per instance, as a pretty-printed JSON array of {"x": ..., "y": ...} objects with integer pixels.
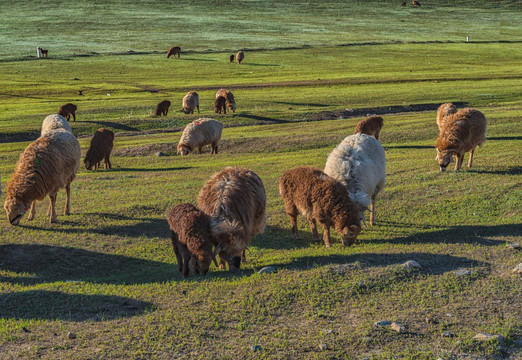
[
  {"x": 32, "y": 211},
  {"x": 243, "y": 256},
  {"x": 186, "y": 259},
  {"x": 200, "y": 148},
  {"x": 174, "y": 238},
  {"x": 197, "y": 107},
  {"x": 326, "y": 235},
  {"x": 53, "y": 212},
  {"x": 67, "y": 209},
  {"x": 458, "y": 163},
  {"x": 470, "y": 161},
  {"x": 292, "y": 212},
  {"x": 377, "y": 135},
  {"x": 107, "y": 164},
  {"x": 372, "y": 210},
  {"x": 222, "y": 261},
  {"x": 74, "y": 116},
  {"x": 313, "y": 227}
]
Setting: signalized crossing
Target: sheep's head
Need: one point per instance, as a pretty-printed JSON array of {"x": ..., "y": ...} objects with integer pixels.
[
  {"x": 14, "y": 209},
  {"x": 200, "y": 263},
  {"x": 349, "y": 234},
  {"x": 232, "y": 107},
  {"x": 88, "y": 164},
  {"x": 445, "y": 157},
  {"x": 186, "y": 110},
  {"x": 184, "y": 149}
]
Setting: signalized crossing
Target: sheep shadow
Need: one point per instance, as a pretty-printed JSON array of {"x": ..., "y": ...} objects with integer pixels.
[
  {"x": 300, "y": 104},
  {"x": 409, "y": 147},
  {"x": 265, "y": 119},
  {"x": 54, "y": 305},
  {"x": 123, "y": 169},
  {"x": 112, "y": 124},
  {"x": 513, "y": 170},
  {"x": 504, "y": 138},
  {"x": 276, "y": 237},
  {"x": 48, "y": 264}
]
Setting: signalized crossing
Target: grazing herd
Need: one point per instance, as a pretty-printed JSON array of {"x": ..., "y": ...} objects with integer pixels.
[{"x": 232, "y": 204}]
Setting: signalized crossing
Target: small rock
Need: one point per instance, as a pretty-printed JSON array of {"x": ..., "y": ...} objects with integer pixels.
[
  {"x": 488, "y": 337},
  {"x": 323, "y": 346},
  {"x": 399, "y": 328},
  {"x": 71, "y": 335},
  {"x": 256, "y": 348},
  {"x": 267, "y": 270},
  {"x": 411, "y": 264},
  {"x": 383, "y": 323},
  {"x": 327, "y": 331},
  {"x": 518, "y": 269},
  {"x": 514, "y": 245},
  {"x": 448, "y": 334},
  {"x": 463, "y": 272},
  {"x": 160, "y": 153},
  {"x": 26, "y": 330}
]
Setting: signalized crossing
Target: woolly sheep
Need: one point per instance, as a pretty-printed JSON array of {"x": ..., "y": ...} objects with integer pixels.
[
  {"x": 190, "y": 102},
  {"x": 173, "y": 51},
  {"x": 240, "y": 56},
  {"x": 231, "y": 103},
  {"x": 67, "y": 110},
  {"x": 443, "y": 112},
  {"x": 318, "y": 197},
  {"x": 359, "y": 163},
  {"x": 191, "y": 239},
  {"x": 235, "y": 201},
  {"x": 461, "y": 132},
  {"x": 162, "y": 108},
  {"x": 371, "y": 125},
  {"x": 199, "y": 133},
  {"x": 53, "y": 122},
  {"x": 231, "y": 58},
  {"x": 100, "y": 149},
  {"x": 46, "y": 165},
  {"x": 220, "y": 104}
]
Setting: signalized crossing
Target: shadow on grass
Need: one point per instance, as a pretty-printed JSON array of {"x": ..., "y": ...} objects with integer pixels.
[
  {"x": 300, "y": 104},
  {"x": 264, "y": 119},
  {"x": 409, "y": 147},
  {"x": 514, "y": 170},
  {"x": 504, "y": 138},
  {"x": 112, "y": 124},
  {"x": 123, "y": 169},
  {"x": 54, "y": 305}
]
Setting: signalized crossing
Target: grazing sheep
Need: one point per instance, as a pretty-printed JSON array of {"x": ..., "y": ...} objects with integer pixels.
[
  {"x": 191, "y": 239},
  {"x": 190, "y": 102},
  {"x": 359, "y": 163},
  {"x": 235, "y": 201},
  {"x": 67, "y": 110},
  {"x": 220, "y": 104},
  {"x": 240, "y": 56},
  {"x": 46, "y": 165},
  {"x": 100, "y": 149},
  {"x": 443, "y": 111},
  {"x": 231, "y": 58},
  {"x": 372, "y": 125},
  {"x": 415, "y": 3},
  {"x": 199, "y": 133},
  {"x": 461, "y": 132},
  {"x": 45, "y": 53},
  {"x": 173, "y": 51},
  {"x": 162, "y": 108},
  {"x": 403, "y": 3},
  {"x": 231, "y": 103},
  {"x": 54, "y": 122},
  {"x": 320, "y": 198}
]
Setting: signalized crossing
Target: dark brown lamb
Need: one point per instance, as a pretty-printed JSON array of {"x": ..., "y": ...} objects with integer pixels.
[
  {"x": 162, "y": 108},
  {"x": 191, "y": 239},
  {"x": 322, "y": 199},
  {"x": 231, "y": 58},
  {"x": 220, "y": 104},
  {"x": 173, "y": 51},
  {"x": 372, "y": 126},
  {"x": 100, "y": 149},
  {"x": 67, "y": 110}
]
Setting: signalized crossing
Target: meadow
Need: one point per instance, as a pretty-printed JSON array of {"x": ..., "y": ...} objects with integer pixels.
[{"x": 107, "y": 272}]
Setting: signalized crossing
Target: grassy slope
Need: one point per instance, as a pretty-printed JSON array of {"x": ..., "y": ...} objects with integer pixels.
[{"x": 107, "y": 272}]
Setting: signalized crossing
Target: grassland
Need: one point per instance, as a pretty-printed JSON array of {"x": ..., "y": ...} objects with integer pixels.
[{"x": 107, "y": 272}]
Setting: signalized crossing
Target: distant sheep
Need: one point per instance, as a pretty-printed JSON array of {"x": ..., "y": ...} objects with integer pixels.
[
  {"x": 461, "y": 132},
  {"x": 47, "y": 165},
  {"x": 190, "y": 102},
  {"x": 199, "y": 133},
  {"x": 67, "y": 110},
  {"x": 235, "y": 201},
  {"x": 443, "y": 111},
  {"x": 231, "y": 58},
  {"x": 54, "y": 122},
  {"x": 220, "y": 104},
  {"x": 240, "y": 56},
  {"x": 162, "y": 108},
  {"x": 359, "y": 163},
  {"x": 403, "y": 3},
  {"x": 100, "y": 149},
  {"x": 45, "y": 52},
  {"x": 231, "y": 103},
  {"x": 415, "y": 3},
  {"x": 173, "y": 51},
  {"x": 318, "y": 197},
  {"x": 372, "y": 125},
  {"x": 191, "y": 239}
]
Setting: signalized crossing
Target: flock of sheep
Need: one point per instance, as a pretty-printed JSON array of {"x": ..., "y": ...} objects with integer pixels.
[{"x": 231, "y": 205}]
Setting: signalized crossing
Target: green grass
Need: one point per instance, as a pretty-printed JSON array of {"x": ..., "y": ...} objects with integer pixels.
[{"x": 108, "y": 273}]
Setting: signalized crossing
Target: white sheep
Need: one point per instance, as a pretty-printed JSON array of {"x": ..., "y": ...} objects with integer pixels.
[
  {"x": 359, "y": 163},
  {"x": 53, "y": 122},
  {"x": 190, "y": 102},
  {"x": 199, "y": 133}
]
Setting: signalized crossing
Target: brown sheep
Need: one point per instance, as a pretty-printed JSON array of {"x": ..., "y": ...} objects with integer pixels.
[
  {"x": 231, "y": 103},
  {"x": 162, "y": 108},
  {"x": 45, "y": 53},
  {"x": 173, "y": 51},
  {"x": 191, "y": 239},
  {"x": 100, "y": 149},
  {"x": 320, "y": 198},
  {"x": 199, "y": 133},
  {"x": 461, "y": 132},
  {"x": 239, "y": 57},
  {"x": 231, "y": 58},
  {"x": 235, "y": 201},
  {"x": 47, "y": 165},
  {"x": 220, "y": 104},
  {"x": 415, "y": 3},
  {"x": 403, "y": 3},
  {"x": 67, "y": 110},
  {"x": 372, "y": 126},
  {"x": 190, "y": 102},
  {"x": 443, "y": 111}
]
